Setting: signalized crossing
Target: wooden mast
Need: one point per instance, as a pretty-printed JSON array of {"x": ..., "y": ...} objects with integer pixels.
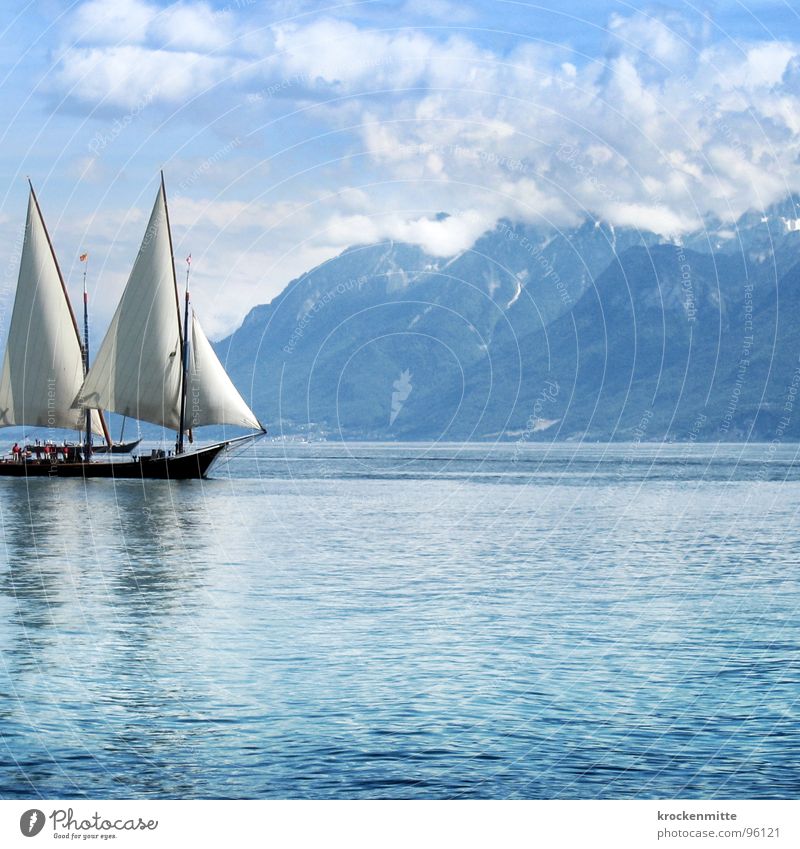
[
  {"x": 88, "y": 451},
  {"x": 185, "y": 361},
  {"x": 181, "y": 333}
]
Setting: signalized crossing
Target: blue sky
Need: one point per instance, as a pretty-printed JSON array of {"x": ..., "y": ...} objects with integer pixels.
[{"x": 291, "y": 130}]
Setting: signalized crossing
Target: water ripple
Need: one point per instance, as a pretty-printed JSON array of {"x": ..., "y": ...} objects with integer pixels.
[{"x": 408, "y": 621}]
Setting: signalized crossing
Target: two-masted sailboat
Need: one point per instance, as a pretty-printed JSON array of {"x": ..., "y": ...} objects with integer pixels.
[{"x": 150, "y": 366}]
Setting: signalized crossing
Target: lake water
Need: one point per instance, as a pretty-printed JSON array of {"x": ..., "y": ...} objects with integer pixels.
[{"x": 438, "y": 621}]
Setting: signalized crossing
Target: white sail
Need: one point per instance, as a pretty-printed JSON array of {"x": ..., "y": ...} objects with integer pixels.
[
  {"x": 137, "y": 370},
  {"x": 43, "y": 364},
  {"x": 211, "y": 397}
]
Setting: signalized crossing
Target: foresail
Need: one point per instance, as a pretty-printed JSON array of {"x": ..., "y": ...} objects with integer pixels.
[
  {"x": 43, "y": 364},
  {"x": 211, "y": 397},
  {"x": 137, "y": 370}
]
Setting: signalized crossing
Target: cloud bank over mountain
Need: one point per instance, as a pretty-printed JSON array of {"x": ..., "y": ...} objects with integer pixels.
[{"x": 346, "y": 127}]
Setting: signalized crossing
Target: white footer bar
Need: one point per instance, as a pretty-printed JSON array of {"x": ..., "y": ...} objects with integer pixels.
[{"x": 402, "y": 824}]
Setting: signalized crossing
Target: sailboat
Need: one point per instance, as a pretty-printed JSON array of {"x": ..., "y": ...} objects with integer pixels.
[{"x": 150, "y": 366}]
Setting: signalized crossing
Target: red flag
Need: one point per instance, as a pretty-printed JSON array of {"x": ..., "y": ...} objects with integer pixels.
[{"x": 84, "y": 257}]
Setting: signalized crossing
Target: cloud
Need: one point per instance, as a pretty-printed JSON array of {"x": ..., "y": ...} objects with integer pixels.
[
  {"x": 132, "y": 77},
  {"x": 124, "y": 52},
  {"x": 442, "y": 237},
  {"x": 179, "y": 26},
  {"x": 671, "y": 123},
  {"x": 193, "y": 26},
  {"x": 107, "y": 22},
  {"x": 667, "y": 124},
  {"x": 337, "y": 54}
]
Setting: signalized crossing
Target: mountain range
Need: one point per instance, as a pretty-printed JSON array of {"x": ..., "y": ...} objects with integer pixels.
[{"x": 595, "y": 333}]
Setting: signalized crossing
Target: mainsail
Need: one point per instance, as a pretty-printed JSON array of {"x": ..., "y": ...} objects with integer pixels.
[
  {"x": 43, "y": 364},
  {"x": 138, "y": 368}
]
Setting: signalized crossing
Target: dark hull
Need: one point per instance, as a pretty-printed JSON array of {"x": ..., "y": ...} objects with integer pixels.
[
  {"x": 116, "y": 448},
  {"x": 181, "y": 467}
]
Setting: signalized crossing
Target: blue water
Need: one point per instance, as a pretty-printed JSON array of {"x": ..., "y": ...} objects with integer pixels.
[{"x": 408, "y": 621}]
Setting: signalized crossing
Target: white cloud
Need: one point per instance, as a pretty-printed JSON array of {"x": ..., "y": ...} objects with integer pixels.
[
  {"x": 339, "y": 54},
  {"x": 112, "y": 21},
  {"x": 672, "y": 124},
  {"x": 653, "y": 217},
  {"x": 133, "y": 77},
  {"x": 668, "y": 39},
  {"x": 439, "y": 237},
  {"x": 763, "y": 67},
  {"x": 124, "y": 52},
  {"x": 179, "y": 26},
  {"x": 192, "y": 26},
  {"x": 669, "y": 127}
]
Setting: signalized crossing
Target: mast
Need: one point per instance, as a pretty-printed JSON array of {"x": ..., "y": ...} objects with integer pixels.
[
  {"x": 84, "y": 258},
  {"x": 185, "y": 354},
  {"x": 181, "y": 333}
]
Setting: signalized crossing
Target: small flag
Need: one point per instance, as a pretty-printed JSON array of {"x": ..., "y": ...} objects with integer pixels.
[
  {"x": 189, "y": 259},
  {"x": 84, "y": 257}
]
